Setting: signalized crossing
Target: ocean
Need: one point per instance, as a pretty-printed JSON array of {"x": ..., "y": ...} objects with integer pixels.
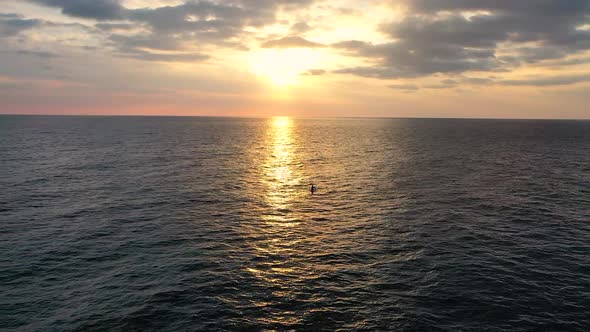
[{"x": 208, "y": 224}]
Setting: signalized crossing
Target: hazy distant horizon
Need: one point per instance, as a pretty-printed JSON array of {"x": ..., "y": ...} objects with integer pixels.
[{"x": 285, "y": 116}]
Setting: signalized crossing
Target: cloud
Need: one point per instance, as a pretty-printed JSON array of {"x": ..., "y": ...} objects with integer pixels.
[
  {"x": 549, "y": 81},
  {"x": 196, "y": 20},
  {"x": 142, "y": 41},
  {"x": 403, "y": 59},
  {"x": 351, "y": 45},
  {"x": 290, "y": 42},
  {"x": 13, "y": 24},
  {"x": 477, "y": 80},
  {"x": 178, "y": 27},
  {"x": 372, "y": 72},
  {"x": 95, "y": 9},
  {"x": 560, "y": 80},
  {"x": 181, "y": 27},
  {"x": 568, "y": 62},
  {"x": 165, "y": 57},
  {"x": 407, "y": 87},
  {"x": 457, "y": 36},
  {"x": 300, "y": 27},
  {"x": 315, "y": 72},
  {"x": 39, "y": 54},
  {"x": 552, "y": 81},
  {"x": 114, "y": 26},
  {"x": 522, "y": 6},
  {"x": 437, "y": 86},
  {"x": 151, "y": 48}
]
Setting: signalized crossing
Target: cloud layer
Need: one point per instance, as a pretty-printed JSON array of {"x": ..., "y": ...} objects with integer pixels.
[
  {"x": 12, "y": 24},
  {"x": 456, "y": 36},
  {"x": 96, "y": 9},
  {"x": 434, "y": 36},
  {"x": 374, "y": 49}
]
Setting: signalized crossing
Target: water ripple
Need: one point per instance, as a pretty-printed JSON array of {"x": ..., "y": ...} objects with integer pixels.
[{"x": 208, "y": 224}]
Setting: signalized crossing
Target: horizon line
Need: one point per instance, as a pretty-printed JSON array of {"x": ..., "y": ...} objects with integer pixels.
[{"x": 287, "y": 116}]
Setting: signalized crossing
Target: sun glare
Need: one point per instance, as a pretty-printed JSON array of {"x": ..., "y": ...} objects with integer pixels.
[
  {"x": 282, "y": 122},
  {"x": 283, "y": 67}
]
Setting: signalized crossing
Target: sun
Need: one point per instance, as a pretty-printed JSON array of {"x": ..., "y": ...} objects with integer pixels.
[{"x": 283, "y": 67}]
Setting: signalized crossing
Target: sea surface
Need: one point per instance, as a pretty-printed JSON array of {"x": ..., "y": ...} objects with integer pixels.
[{"x": 208, "y": 224}]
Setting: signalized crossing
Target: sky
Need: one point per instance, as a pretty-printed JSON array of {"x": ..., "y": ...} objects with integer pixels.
[{"x": 304, "y": 58}]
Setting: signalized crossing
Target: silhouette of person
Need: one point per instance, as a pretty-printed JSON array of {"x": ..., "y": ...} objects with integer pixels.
[{"x": 313, "y": 189}]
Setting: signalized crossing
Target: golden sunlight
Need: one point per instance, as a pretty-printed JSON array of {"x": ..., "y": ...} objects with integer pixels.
[
  {"x": 283, "y": 67},
  {"x": 280, "y": 175},
  {"x": 282, "y": 121}
]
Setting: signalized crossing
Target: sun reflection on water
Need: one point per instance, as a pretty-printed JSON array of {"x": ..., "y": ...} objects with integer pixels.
[
  {"x": 278, "y": 238},
  {"x": 299, "y": 246},
  {"x": 281, "y": 174}
]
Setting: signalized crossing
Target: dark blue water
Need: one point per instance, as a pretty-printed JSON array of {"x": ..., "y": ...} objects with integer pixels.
[{"x": 185, "y": 224}]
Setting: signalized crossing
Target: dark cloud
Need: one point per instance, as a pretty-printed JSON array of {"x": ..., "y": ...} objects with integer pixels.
[
  {"x": 151, "y": 48},
  {"x": 210, "y": 22},
  {"x": 290, "y": 42},
  {"x": 196, "y": 20},
  {"x": 477, "y": 80},
  {"x": 192, "y": 23},
  {"x": 460, "y": 81},
  {"x": 315, "y": 72},
  {"x": 456, "y": 36},
  {"x": 549, "y": 81},
  {"x": 300, "y": 28},
  {"x": 143, "y": 41},
  {"x": 436, "y": 36},
  {"x": 372, "y": 72},
  {"x": 406, "y": 59},
  {"x": 449, "y": 81},
  {"x": 569, "y": 62},
  {"x": 533, "y": 81},
  {"x": 178, "y": 27},
  {"x": 351, "y": 45},
  {"x": 437, "y": 86},
  {"x": 94, "y": 9},
  {"x": 13, "y": 24},
  {"x": 164, "y": 57},
  {"x": 407, "y": 87},
  {"x": 192, "y": 15},
  {"x": 548, "y": 7},
  {"x": 114, "y": 26},
  {"x": 39, "y": 54}
]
